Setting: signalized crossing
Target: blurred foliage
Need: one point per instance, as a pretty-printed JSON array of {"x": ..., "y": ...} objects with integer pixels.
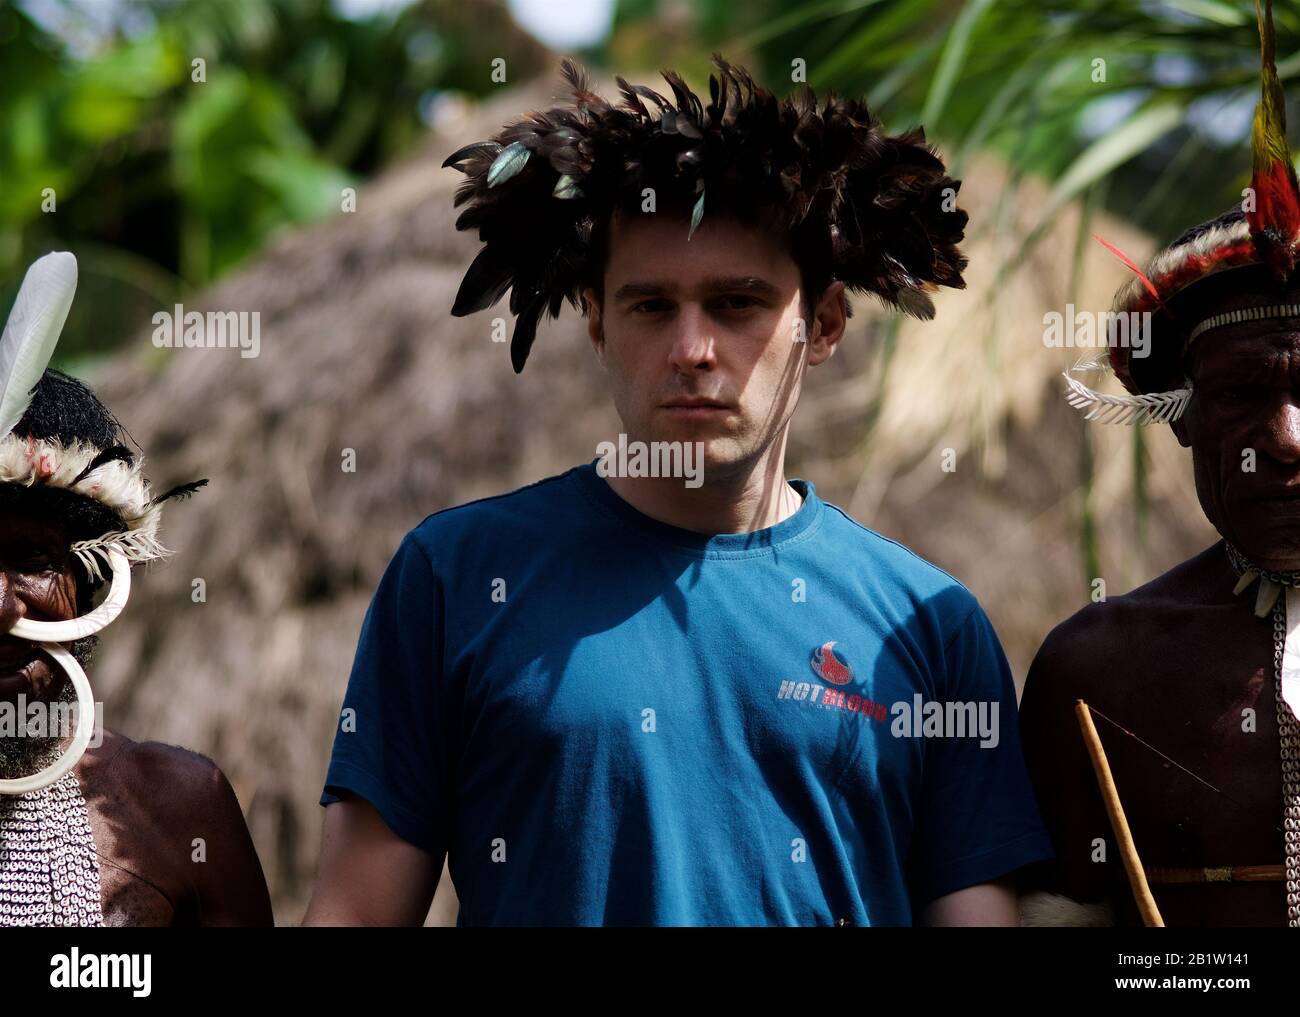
[
  {"x": 164, "y": 183},
  {"x": 160, "y": 181},
  {"x": 1168, "y": 127}
]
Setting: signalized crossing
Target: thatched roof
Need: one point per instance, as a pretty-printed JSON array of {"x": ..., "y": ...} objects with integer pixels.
[{"x": 358, "y": 352}]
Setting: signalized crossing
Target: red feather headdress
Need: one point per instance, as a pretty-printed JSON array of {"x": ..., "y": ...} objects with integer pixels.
[{"x": 1265, "y": 231}]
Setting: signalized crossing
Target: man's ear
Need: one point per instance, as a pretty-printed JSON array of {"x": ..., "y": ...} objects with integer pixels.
[
  {"x": 826, "y": 329},
  {"x": 595, "y": 331}
]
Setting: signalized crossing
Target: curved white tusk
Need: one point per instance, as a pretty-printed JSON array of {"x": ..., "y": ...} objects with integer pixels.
[
  {"x": 87, "y": 625},
  {"x": 80, "y": 741}
]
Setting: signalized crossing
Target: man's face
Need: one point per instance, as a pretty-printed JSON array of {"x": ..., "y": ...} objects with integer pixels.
[
  {"x": 718, "y": 318},
  {"x": 36, "y": 582},
  {"x": 1243, "y": 427}
]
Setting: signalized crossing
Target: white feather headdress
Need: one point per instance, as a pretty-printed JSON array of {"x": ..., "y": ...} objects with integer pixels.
[
  {"x": 32, "y": 332},
  {"x": 26, "y": 347}
]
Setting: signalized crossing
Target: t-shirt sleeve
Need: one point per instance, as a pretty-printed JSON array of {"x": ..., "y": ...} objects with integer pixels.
[
  {"x": 977, "y": 817},
  {"x": 390, "y": 746}
]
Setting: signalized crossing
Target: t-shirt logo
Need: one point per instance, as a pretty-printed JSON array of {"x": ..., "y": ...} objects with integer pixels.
[{"x": 831, "y": 665}]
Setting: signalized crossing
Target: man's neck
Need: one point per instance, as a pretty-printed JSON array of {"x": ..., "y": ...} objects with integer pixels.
[{"x": 740, "y": 502}]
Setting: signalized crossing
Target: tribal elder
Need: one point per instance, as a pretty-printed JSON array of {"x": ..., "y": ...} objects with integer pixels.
[
  {"x": 682, "y": 697},
  {"x": 95, "y": 828},
  {"x": 1194, "y": 678}
]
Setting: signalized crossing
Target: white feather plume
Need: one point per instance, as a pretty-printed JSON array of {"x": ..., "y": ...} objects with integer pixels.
[
  {"x": 32, "y": 332},
  {"x": 1151, "y": 408}
]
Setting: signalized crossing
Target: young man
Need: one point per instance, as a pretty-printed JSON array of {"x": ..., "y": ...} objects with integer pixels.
[
  {"x": 1195, "y": 677},
  {"x": 621, "y": 698},
  {"x": 97, "y": 832}
]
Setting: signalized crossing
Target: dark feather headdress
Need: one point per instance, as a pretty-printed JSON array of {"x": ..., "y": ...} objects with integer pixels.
[{"x": 536, "y": 191}]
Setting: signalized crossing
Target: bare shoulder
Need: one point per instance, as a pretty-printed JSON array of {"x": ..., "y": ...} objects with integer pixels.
[
  {"x": 169, "y": 818},
  {"x": 169, "y": 779},
  {"x": 1086, "y": 653}
]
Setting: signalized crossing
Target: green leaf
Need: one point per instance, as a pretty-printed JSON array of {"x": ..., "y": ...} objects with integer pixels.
[
  {"x": 1210, "y": 10},
  {"x": 950, "y": 61},
  {"x": 799, "y": 18},
  {"x": 303, "y": 186},
  {"x": 1140, "y": 131}
]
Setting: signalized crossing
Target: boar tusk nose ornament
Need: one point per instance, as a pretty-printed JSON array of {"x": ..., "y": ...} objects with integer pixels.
[
  {"x": 50, "y": 635},
  {"x": 80, "y": 741},
  {"x": 87, "y": 625}
]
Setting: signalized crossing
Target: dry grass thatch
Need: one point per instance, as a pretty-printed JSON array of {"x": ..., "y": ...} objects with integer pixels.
[{"x": 359, "y": 352}]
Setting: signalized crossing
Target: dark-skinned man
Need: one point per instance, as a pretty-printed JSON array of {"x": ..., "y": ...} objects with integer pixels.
[
  {"x": 100, "y": 830},
  {"x": 1192, "y": 678}
]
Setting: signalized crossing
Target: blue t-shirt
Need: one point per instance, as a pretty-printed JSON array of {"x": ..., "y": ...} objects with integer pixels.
[{"x": 606, "y": 719}]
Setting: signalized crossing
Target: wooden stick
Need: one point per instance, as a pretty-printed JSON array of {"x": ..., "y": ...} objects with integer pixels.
[{"x": 1137, "y": 879}]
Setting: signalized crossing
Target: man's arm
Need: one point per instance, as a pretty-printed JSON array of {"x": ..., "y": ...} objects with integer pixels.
[
  {"x": 200, "y": 845},
  {"x": 234, "y": 892},
  {"x": 1058, "y": 762},
  {"x": 988, "y": 904},
  {"x": 388, "y": 787},
  {"x": 368, "y": 875},
  {"x": 977, "y": 825}
]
